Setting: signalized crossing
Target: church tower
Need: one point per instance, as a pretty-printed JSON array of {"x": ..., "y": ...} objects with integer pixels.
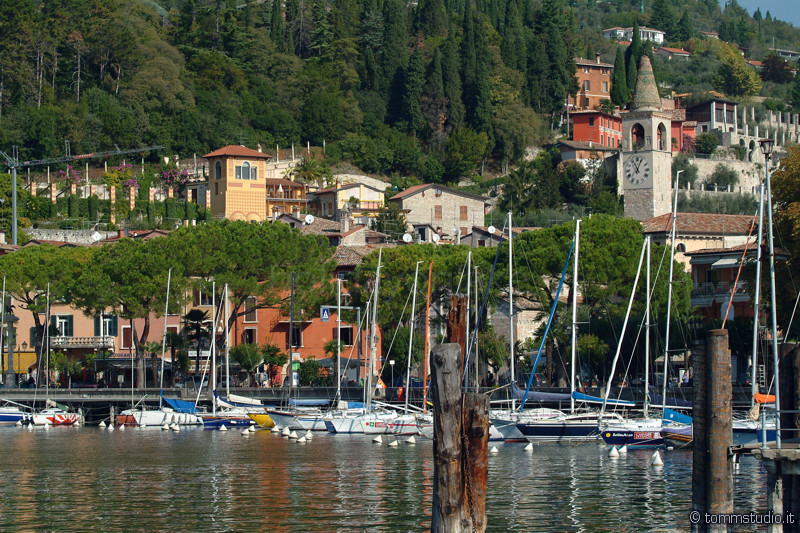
[{"x": 646, "y": 150}]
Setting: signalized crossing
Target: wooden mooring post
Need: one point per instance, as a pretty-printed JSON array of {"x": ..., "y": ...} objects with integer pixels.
[
  {"x": 460, "y": 447},
  {"x": 712, "y": 433}
]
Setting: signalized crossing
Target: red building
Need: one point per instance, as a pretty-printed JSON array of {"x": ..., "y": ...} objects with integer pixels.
[
  {"x": 594, "y": 82},
  {"x": 598, "y": 127}
]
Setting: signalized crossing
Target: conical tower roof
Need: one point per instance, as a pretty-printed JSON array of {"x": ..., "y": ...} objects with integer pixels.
[{"x": 646, "y": 98}]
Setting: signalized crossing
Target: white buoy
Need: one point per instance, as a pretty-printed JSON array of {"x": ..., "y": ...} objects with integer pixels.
[
  {"x": 251, "y": 429},
  {"x": 494, "y": 449},
  {"x": 293, "y": 435},
  {"x": 301, "y": 439},
  {"x": 613, "y": 452},
  {"x": 223, "y": 428},
  {"x": 102, "y": 424},
  {"x": 30, "y": 426},
  {"x": 309, "y": 434},
  {"x": 111, "y": 427},
  {"x": 47, "y": 425},
  {"x": 393, "y": 443},
  {"x": 165, "y": 427},
  {"x": 529, "y": 447},
  {"x": 670, "y": 448},
  {"x": 122, "y": 427},
  {"x": 19, "y": 422},
  {"x": 245, "y": 431},
  {"x": 411, "y": 440},
  {"x": 286, "y": 431},
  {"x": 275, "y": 429},
  {"x": 377, "y": 439},
  {"x": 623, "y": 449},
  {"x": 141, "y": 425},
  {"x": 657, "y": 461},
  {"x": 176, "y": 428}
]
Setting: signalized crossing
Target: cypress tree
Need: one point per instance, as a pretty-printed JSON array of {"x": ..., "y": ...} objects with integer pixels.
[
  {"x": 559, "y": 78},
  {"x": 536, "y": 72},
  {"x": 277, "y": 30},
  {"x": 394, "y": 55},
  {"x": 451, "y": 78},
  {"x": 483, "y": 104},
  {"x": 370, "y": 70},
  {"x": 431, "y": 17},
  {"x": 619, "y": 83},
  {"x": 685, "y": 29},
  {"x": 513, "y": 42},
  {"x": 469, "y": 67},
  {"x": 412, "y": 96},
  {"x": 632, "y": 55},
  {"x": 663, "y": 18},
  {"x": 795, "y": 96}
]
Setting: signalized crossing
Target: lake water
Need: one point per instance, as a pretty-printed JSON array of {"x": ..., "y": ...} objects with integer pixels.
[{"x": 89, "y": 479}]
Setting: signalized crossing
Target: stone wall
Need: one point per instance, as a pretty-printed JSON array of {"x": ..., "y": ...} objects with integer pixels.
[
  {"x": 750, "y": 174},
  {"x": 70, "y": 236}
]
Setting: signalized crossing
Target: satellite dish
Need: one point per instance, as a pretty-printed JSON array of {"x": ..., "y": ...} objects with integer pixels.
[
  {"x": 96, "y": 236},
  {"x": 309, "y": 219},
  {"x": 407, "y": 237},
  {"x": 435, "y": 237},
  {"x": 492, "y": 229}
]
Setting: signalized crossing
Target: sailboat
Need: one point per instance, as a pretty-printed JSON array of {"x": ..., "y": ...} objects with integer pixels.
[
  {"x": 231, "y": 411},
  {"x": 53, "y": 414},
  {"x": 177, "y": 412}
]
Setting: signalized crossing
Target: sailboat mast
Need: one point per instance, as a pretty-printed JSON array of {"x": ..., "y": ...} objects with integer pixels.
[
  {"x": 754, "y": 357},
  {"x": 411, "y": 335},
  {"x": 510, "y": 309},
  {"x": 373, "y": 338},
  {"x": 47, "y": 347},
  {"x": 574, "y": 358},
  {"x": 213, "y": 343},
  {"x": 773, "y": 312},
  {"x": 469, "y": 280},
  {"x": 669, "y": 292},
  {"x": 647, "y": 338},
  {"x": 290, "y": 367},
  {"x": 227, "y": 348},
  {"x": 338, "y": 337},
  {"x": 163, "y": 340},
  {"x": 427, "y": 335}
]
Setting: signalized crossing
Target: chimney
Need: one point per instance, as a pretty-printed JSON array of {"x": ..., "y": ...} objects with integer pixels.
[
  {"x": 597, "y": 57},
  {"x": 338, "y": 183},
  {"x": 590, "y": 144},
  {"x": 120, "y": 233},
  {"x": 3, "y": 237},
  {"x": 296, "y": 212},
  {"x": 258, "y": 147},
  {"x": 344, "y": 221}
]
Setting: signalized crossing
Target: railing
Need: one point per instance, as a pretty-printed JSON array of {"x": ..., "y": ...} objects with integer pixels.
[
  {"x": 716, "y": 289},
  {"x": 105, "y": 341}
]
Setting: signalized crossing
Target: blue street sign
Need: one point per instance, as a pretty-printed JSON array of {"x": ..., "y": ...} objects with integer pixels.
[{"x": 325, "y": 314}]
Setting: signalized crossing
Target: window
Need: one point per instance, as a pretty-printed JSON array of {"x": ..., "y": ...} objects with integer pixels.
[
  {"x": 587, "y": 85},
  {"x": 437, "y": 212},
  {"x": 36, "y": 335},
  {"x": 216, "y": 189},
  {"x": 464, "y": 230},
  {"x": 127, "y": 338},
  {"x": 591, "y": 122},
  {"x": 217, "y": 170},
  {"x": 437, "y": 192},
  {"x": 62, "y": 325},
  {"x": 346, "y": 335},
  {"x": 602, "y": 139},
  {"x": 253, "y": 173},
  {"x": 202, "y": 299},
  {"x": 250, "y": 312},
  {"x": 296, "y": 336},
  {"x": 586, "y": 70},
  {"x": 463, "y": 212},
  {"x": 249, "y": 336},
  {"x": 243, "y": 171},
  {"x": 105, "y": 326},
  {"x": 605, "y": 86}
]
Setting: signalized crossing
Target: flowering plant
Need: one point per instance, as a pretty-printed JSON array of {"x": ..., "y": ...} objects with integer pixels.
[
  {"x": 174, "y": 178},
  {"x": 132, "y": 182},
  {"x": 71, "y": 176}
]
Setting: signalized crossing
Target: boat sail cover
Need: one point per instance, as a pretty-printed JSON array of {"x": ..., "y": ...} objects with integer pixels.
[
  {"x": 581, "y": 397},
  {"x": 236, "y": 401},
  {"x": 537, "y": 396},
  {"x": 675, "y": 416},
  {"x": 657, "y": 399},
  {"x": 181, "y": 406}
]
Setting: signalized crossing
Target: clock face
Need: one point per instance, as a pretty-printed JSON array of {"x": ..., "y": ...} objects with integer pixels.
[{"x": 637, "y": 170}]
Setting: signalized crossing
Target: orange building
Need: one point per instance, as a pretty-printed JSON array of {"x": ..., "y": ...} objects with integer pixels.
[
  {"x": 594, "y": 81},
  {"x": 597, "y": 127},
  {"x": 238, "y": 183}
]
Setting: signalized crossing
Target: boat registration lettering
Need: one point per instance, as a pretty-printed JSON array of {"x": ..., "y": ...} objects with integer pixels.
[{"x": 643, "y": 436}]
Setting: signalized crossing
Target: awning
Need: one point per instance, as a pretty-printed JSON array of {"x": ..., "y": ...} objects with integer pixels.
[
  {"x": 726, "y": 262},
  {"x": 22, "y": 361}
]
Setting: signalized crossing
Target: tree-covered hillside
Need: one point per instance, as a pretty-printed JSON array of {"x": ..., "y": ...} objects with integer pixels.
[{"x": 434, "y": 89}]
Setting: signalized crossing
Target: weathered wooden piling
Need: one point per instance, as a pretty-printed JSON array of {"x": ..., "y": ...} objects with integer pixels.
[
  {"x": 460, "y": 447},
  {"x": 712, "y": 434},
  {"x": 457, "y": 321}
]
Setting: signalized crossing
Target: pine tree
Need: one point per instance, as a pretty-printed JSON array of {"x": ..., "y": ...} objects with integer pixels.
[
  {"x": 412, "y": 96},
  {"x": 685, "y": 29},
  {"x": 513, "y": 42},
  {"x": 277, "y": 30},
  {"x": 663, "y": 17},
  {"x": 619, "y": 83},
  {"x": 430, "y": 17},
  {"x": 321, "y": 34},
  {"x": 370, "y": 71},
  {"x": 451, "y": 78}
]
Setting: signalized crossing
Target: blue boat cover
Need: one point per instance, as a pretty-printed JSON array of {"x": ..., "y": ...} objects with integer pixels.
[
  {"x": 595, "y": 399},
  {"x": 538, "y": 396},
  {"x": 308, "y": 401},
  {"x": 181, "y": 406},
  {"x": 675, "y": 416}
]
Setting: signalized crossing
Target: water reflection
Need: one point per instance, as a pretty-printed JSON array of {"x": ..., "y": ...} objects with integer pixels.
[{"x": 93, "y": 480}]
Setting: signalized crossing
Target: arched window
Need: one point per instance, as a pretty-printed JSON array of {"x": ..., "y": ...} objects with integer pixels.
[
  {"x": 680, "y": 248},
  {"x": 245, "y": 170},
  {"x": 217, "y": 170},
  {"x": 637, "y": 136},
  {"x": 662, "y": 137}
]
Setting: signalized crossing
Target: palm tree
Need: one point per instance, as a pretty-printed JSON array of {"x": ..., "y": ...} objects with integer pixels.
[
  {"x": 196, "y": 327},
  {"x": 154, "y": 349},
  {"x": 249, "y": 356},
  {"x": 312, "y": 171}
]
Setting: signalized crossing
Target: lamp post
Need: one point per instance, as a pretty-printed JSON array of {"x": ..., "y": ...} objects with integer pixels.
[
  {"x": 391, "y": 364},
  {"x": 766, "y": 148}
]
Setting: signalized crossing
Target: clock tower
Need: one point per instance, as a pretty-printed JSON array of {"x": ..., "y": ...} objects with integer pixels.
[{"x": 646, "y": 150}]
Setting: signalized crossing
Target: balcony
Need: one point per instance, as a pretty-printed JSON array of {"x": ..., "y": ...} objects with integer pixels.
[{"x": 66, "y": 343}]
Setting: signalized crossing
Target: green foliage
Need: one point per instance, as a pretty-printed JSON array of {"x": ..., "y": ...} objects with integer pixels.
[
  {"x": 706, "y": 143},
  {"x": 309, "y": 373},
  {"x": 723, "y": 177},
  {"x": 688, "y": 171},
  {"x": 731, "y": 204},
  {"x": 391, "y": 221},
  {"x": 248, "y": 356},
  {"x": 464, "y": 150}
]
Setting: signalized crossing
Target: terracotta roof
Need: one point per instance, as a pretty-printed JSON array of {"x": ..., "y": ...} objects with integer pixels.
[
  {"x": 347, "y": 186},
  {"x": 57, "y": 244},
  {"x": 700, "y": 224},
  {"x": 236, "y": 150},
  {"x": 322, "y": 226},
  {"x": 351, "y": 256},
  {"x": 283, "y": 181},
  {"x": 584, "y": 145},
  {"x": 591, "y": 63},
  {"x": 419, "y": 188},
  {"x": 517, "y": 230},
  {"x": 680, "y": 51},
  {"x": 780, "y": 253}
]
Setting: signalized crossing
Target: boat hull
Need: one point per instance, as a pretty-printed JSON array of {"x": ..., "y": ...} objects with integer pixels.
[
  {"x": 156, "y": 418},
  {"x": 559, "y": 430},
  {"x": 298, "y": 420},
  {"x": 10, "y": 417},
  {"x": 261, "y": 420},
  {"x": 215, "y": 422},
  {"x": 54, "y": 418}
]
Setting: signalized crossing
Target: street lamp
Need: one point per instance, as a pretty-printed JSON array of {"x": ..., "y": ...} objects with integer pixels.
[
  {"x": 766, "y": 148},
  {"x": 391, "y": 364}
]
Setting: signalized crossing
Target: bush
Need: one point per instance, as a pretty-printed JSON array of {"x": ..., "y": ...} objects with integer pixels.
[
  {"x": 706, "y": 143},
  {"x": 689, "y": 174},
  {"x": 724, "y": 177}
]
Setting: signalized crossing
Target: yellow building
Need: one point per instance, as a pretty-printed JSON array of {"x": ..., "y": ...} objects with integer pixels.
[{"x": 237, "y": 183}]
